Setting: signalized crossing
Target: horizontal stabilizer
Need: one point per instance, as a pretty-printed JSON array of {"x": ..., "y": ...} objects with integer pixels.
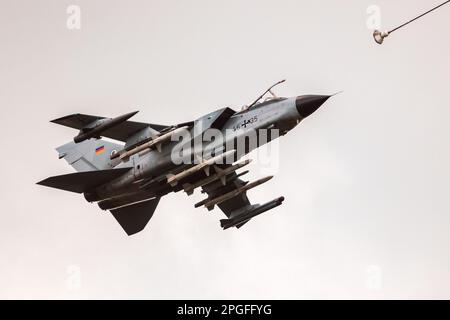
[
  {"x": 134, "y": 218},
  {"x": 80, "y": 182}
]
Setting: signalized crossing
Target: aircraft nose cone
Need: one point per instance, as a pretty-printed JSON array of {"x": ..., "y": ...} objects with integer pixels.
[{"x": 306, "y": 105}]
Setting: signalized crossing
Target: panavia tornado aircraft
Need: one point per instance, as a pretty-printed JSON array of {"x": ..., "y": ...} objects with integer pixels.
[{"x": 153, "y": 160}]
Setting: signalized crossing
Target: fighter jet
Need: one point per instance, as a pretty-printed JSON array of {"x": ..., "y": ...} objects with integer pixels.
[{"x": 148, "y": 161}]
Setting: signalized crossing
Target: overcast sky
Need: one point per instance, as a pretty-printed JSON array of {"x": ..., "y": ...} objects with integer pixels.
[{"x": 366, "y": 178}]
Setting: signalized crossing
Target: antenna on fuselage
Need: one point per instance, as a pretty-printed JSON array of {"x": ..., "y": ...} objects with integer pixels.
[{"x": 268, "y": 90}]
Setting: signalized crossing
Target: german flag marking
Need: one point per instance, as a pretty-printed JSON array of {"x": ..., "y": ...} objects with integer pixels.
[{"x": 100, "y": 150}]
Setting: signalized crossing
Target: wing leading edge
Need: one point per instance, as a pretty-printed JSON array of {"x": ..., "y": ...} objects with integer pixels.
[{"x": 120, "y": 132}]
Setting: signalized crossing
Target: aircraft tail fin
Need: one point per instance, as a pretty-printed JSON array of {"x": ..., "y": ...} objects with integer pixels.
[
  {"x": 80, "y": 182},
  {"x": 133, "y": 218},
  {"x": 92, "y": 154}
]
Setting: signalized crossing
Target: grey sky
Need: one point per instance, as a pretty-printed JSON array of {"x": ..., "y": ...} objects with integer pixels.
[{"x": 366, "y": 178}]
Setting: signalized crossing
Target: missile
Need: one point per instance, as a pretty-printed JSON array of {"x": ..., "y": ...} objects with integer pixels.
[
  {"x": 104, "y": 124},
  {"x": 246, "y": 216},
  {"x": 154, "y": 142},
  {"x": 210, "y": 203},
  {"x": 220, "y": 174},
  {"x": 240, "y": 174},
  {"x": 173, "y": 179}
]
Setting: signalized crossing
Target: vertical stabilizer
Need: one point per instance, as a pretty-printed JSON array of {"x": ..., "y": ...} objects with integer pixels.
[{"x": 92, "y": 154}]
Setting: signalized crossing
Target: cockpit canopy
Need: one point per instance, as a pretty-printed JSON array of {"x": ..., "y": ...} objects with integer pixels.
[{"x": 266, "y": 101}]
